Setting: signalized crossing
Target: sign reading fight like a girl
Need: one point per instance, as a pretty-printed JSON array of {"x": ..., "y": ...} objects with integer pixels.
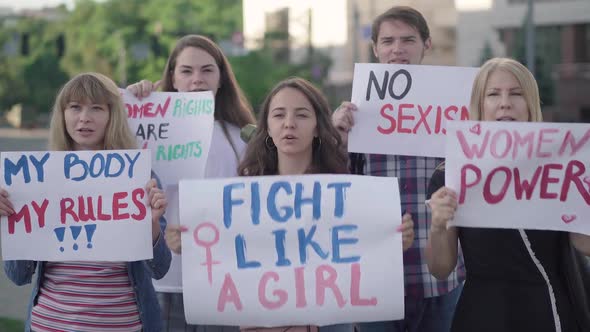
[
  {"x": 83, "y": 205},
  {"x": 297, "y": 250},
  {"x": 520, "y": 174}
]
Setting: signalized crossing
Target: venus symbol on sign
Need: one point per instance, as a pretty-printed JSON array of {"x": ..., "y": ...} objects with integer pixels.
[{"x": 207, "y": 244}]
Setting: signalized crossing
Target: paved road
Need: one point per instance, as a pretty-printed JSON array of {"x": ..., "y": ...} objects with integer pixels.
[{"x": 14, "y": 299}]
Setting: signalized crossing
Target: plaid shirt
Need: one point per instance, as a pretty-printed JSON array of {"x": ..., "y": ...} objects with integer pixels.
[{"x": 413, "y": 174}]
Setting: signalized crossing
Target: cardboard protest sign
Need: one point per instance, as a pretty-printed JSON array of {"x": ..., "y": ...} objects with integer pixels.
[
  {"x": 172, "y": 281},
  {"x": 177, "y": 127},
  {"x": 520, "y": 174},
  {"x": 275, "y": 251},
  {"x": 404, "y": 109},
  {"x": 84, "y": 205}
]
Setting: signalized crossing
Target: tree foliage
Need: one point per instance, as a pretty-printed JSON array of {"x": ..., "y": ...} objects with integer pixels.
[{"x": 127, "y": 41}]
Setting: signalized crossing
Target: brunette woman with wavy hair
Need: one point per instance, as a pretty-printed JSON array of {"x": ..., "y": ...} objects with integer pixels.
[
  {"x": 294, "y": 136},
  {"x": 270, "y": 147}
]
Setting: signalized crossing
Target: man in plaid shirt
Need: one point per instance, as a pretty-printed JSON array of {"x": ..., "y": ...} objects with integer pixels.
[{"x": 401, "y": 35}]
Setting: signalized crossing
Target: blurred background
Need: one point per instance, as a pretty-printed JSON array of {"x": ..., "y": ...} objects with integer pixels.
[{"x": 45, "y": 42}]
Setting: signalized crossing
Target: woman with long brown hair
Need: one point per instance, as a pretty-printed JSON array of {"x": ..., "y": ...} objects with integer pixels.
[{"x": 197, "y": 64}]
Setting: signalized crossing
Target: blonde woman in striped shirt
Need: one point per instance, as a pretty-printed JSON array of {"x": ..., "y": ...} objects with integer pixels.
[{"x": 93, "y": 296}]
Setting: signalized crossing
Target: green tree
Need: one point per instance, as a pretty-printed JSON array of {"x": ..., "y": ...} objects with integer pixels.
[
  {"x": 257, "y": 72},
  {"x": 217, "y": 19},
  {"x": 101, "y": 36},
  {"x": 31, "y": 79}
]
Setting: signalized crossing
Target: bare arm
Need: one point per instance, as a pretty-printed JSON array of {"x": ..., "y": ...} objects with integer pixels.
[
  {"x": 343, "y": 120},
  {"x": 581, "y": 242},
  {"x": 441, "y": 251}
]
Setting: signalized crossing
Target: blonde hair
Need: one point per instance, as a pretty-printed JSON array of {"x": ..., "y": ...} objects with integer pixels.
[
  {"x": 94, "y": 88},
  {"x": 523, "y": 76}
]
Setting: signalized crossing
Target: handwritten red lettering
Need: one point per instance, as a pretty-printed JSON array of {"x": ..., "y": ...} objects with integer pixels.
[
  {"x": 326, "y": 277},
  {"x": 543, "y": 176},
  {"x": 229, "y": 294},
  {"x": 280, "y": 294},
  {"x": 490, "y": 197},
  {"x": 571, "y": 140},
  {"x": 355, "y": 295},
  {"x": 543, "y": 139},
  {"x": 404, "y": 108},
  {"x": 91, "y": 208},
  {"x": 495, "y": 141},
  {"x": 418, "y": 119},
  {"x": 505, "y": 143},
  {"x": 135, "y": 111}
]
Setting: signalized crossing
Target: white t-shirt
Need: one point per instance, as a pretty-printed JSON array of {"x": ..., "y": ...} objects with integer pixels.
[{"x": 222, "y": 161}]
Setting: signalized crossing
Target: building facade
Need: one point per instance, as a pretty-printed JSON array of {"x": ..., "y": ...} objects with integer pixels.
[
  {"x": 346, "y": 36},
  {"x": 562, "y": 49}
]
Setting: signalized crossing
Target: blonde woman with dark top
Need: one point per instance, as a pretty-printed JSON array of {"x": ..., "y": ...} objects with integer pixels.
[{"x": 517, "y": 280}]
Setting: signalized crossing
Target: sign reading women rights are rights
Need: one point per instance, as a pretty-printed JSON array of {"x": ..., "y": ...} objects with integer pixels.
[
  {"x": 404, "y": 109},
  {"x": 84, "y": 205},
  {"x": 520, "y": 175},
  {"x": 177, "y": 127},
  {"x": 276, "y": 251}
]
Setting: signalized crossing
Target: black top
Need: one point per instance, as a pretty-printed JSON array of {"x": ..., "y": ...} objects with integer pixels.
[{"x": 516, "y": 280}]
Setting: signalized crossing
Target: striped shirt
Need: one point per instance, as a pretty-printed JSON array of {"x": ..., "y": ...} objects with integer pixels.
[
  {"x": 85, "y": 296},
  {"x": 413, "y": 175}
]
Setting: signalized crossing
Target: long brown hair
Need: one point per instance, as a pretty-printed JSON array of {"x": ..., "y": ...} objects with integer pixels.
[
  {"x": 95, "y": 88},
  {"x": 231, "y": 105},
  {"x": 328, "y": 153}
]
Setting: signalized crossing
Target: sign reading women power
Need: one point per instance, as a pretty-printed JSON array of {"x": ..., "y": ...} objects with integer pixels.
[
  {"x": 85, "y": 205},
  {"x": 520, "y": 174},
  {"x": 177, "y": 128},
  {"x": 404, "y": 109},
  {"x": 274, "y": 251}
]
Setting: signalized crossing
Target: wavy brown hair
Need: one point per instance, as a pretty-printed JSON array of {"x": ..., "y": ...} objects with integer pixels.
[
  {"x": 231, "y": 105},
  {"x": 328, "y": 153},
  {"x": 94, "y": 88}
]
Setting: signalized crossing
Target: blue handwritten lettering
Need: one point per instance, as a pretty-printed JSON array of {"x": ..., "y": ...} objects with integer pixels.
[
  {"x": 228, "y": 202},
  {"x": 280, "y": 246},
  {"x": 340, "y": 190},
  {"x": 315, "y": 200},
  {"x": 307, "y": 240},
  {"x": 337, "y": 241},
  {"x": 240, "y": 245},
  {"x": 271, "y": 202}
]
